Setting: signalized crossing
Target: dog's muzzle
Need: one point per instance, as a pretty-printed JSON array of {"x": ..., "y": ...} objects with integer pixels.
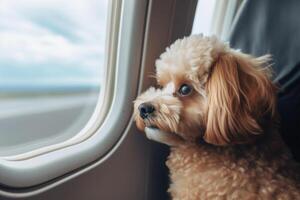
[{"x": 146, "y": 109}]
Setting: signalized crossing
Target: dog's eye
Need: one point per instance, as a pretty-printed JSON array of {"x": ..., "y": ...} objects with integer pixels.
[{"x": 185, "y": 90}]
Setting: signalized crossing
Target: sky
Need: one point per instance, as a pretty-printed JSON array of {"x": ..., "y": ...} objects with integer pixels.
[{"x": 52, "y": 41}]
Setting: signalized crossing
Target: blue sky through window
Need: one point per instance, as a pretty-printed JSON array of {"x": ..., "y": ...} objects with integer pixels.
[{"x": 51, "y": 42}]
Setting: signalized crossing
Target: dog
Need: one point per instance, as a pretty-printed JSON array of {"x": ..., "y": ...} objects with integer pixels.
[{"x": 216, "y": 109}]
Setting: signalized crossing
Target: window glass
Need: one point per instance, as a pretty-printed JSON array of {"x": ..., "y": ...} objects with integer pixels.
[{"x": 51, "y": 69}]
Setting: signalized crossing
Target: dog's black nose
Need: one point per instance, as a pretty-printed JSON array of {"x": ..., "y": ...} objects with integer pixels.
[{"x": 146, "y": 109}]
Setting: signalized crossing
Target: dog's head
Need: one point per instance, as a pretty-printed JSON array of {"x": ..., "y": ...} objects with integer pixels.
[{"x": 209, "y": 91}]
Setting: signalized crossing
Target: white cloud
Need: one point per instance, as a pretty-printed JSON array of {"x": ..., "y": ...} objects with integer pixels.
[
  {"x": 29, "y": 40},
  {"x": 29, "y": 48}
]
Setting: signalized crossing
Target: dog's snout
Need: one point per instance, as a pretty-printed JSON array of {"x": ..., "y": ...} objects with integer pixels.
[{"x": 146, "y": 109}]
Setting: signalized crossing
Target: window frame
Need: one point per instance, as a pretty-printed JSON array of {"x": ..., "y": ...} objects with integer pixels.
[
  {"x": 105, "y": 96},
  {"x": 22, "y": 175},
  {"x": 223, "y": 15}
]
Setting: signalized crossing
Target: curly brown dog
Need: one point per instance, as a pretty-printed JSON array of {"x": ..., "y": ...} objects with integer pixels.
[{"x": 216, "y": 109}]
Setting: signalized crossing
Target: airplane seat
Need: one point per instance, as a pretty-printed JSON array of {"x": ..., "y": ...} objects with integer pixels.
[{"x": 272, "y": 27}]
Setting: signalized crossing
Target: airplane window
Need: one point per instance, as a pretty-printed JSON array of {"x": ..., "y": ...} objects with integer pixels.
[{"x": 51, "y": 69}]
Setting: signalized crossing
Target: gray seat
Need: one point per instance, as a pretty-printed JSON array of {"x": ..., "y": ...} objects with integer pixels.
[{"x": 273, "y": 26}]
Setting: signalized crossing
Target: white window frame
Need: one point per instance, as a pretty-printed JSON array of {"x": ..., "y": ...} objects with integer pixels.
[
  {"x": 26, "y": 172},
  {"x": 221, "y": 19}
]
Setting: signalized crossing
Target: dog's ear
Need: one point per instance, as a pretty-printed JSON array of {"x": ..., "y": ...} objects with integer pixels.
[{"x": 239, "y": 95}]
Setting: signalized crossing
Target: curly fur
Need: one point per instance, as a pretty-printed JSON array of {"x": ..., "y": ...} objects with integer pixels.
[{"x": 223, "y": 135}]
